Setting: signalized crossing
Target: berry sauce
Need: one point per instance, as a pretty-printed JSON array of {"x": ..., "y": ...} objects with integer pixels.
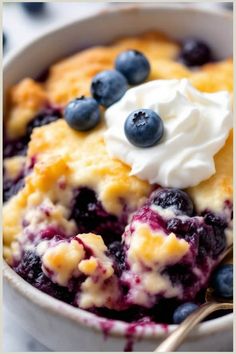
[
  {"x": 90, "y": 216},
  {"x": 205, "y": 234},
  {"x": 18, "y": 147},
  {"x": 12, "y": 186},
  {"x": 30, "y": 269}
]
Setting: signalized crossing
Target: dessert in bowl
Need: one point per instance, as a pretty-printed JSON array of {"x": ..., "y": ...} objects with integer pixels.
[{"x": 98, "y": 221}]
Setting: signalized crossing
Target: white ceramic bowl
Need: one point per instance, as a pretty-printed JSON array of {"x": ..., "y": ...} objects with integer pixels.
[{"x": 55, "y": 324}]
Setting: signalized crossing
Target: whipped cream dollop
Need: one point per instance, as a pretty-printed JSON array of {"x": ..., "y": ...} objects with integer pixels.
[{"x": 196, "y": 126}]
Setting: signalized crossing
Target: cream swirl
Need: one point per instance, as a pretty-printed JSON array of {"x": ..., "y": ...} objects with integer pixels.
[{"x": 196, "y": 127}]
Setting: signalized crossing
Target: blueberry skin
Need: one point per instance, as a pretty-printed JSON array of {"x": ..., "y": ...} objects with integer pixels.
[
  {"x": 4, "y": 39},
  {"x": 134, "y": 66},
  {"x": 33, "y": 8},
  {"x": 173, "y": 197},
  {"x": 183, "y": 311},
  {"x": 82, "y": 114},
  {"x": 143, "y": 128},
  {"x": 108, "y": 87},
  {"x": 195, "y": 52},
  {"x": 222, "y": 281}
]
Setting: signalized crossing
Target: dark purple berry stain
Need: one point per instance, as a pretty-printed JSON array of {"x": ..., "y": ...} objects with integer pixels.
[
  {"x": 116, "y": 251},
  {"x": 90, "y": 216},
  {"x": 46, "y": 116},
  {"x": 18, "y": 147},
  {"x": 150, "y": 217},
  {"x": 12, "y": 187},
  {"x": 30, "y": 269}
]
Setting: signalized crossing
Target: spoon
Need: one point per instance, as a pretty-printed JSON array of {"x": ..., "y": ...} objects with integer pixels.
[{"x": 212, "y": 304}]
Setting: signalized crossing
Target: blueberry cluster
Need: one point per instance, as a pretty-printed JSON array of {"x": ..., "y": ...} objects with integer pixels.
[
  {"x": 143, "y": 128},
  {"x": 206, "y": 237},
  {"x": 222, "y": 284},
  {"x": 210, "y": 243},
  {"x": 107, "y": 87}
]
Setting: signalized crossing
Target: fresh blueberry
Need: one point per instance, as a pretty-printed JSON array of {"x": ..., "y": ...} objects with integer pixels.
[
  {"x": 108, "y": 87},
  {"x": 4, "y": 39},
  {"x": 222, "y": 281},
  {"x": 195, "y": 52},
  {"x": 134, "y": 66},
  {"x": 183, "y": 311},
  {"x": 173, "y": 197},
  {"x": 179, "y": 226},
  {"x": 82, "y": 113},
  {"x": 30, "y": 266},
  {"x": 33, "y": 8},
  {"x": 144, "y": 128},
  {"x": 215, "y": 220}
]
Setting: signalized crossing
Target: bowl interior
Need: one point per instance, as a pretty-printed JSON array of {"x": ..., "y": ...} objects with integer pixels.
[{"x": 177, "y": 22}]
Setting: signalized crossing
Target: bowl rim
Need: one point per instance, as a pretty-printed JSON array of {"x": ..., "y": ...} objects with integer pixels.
[
  {"x": 77, "y": 315},
  {"x": 111, "y": 11}
]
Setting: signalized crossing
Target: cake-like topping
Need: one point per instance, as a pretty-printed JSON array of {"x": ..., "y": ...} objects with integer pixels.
[
  {"x": 196, "y": 126},
  {"x": 83, "y": 258}
]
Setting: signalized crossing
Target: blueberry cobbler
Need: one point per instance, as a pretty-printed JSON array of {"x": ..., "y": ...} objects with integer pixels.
[{"x": 118, "y": 177}]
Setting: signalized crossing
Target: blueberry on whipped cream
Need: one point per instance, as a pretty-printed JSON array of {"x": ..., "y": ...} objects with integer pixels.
[
  {"x": 143, "y": 128},
  {"x": 196, "y": 125}
]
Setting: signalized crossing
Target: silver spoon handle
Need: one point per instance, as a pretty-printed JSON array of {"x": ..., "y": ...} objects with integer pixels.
[{"x": 175, "y": 339}]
